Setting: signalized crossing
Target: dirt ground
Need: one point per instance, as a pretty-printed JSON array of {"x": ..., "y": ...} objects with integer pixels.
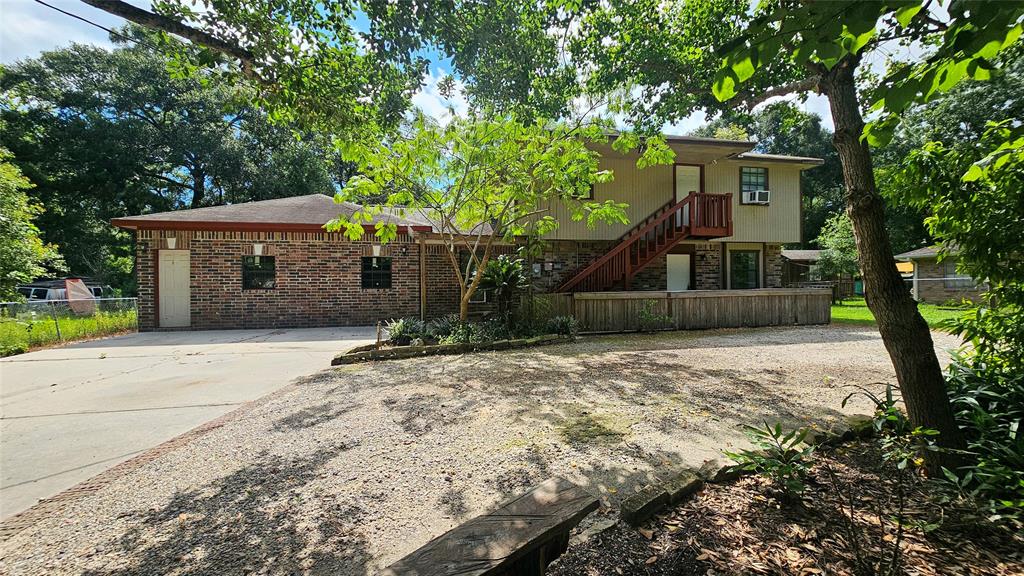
[{"x": 352, "y": 468}]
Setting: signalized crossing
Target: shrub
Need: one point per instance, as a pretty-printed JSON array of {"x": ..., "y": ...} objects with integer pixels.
[
  {"x": 989, "y": 404},
  {"x": 782, "y": 457},
  {"x": 460, "y": 333},
  {"x": 564, "y": 325},
  {"x": 491, "y": 330},
  {"x": 403, "y": 330},
  {"x": 443, "y": 326}
]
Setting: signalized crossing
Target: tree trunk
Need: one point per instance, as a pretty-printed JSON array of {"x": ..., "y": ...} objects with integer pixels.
[
  {"x": 905, "y": 333},
  {"x": 464, "y": 309},
  {"x": 198, "y": 188}
]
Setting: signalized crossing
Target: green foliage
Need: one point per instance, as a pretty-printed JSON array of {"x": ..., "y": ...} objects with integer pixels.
[
  {"x": 504, "y": 277},
  {"x": 563, "y": 325},
  {"x": 21, "y": 334},
  {"x": 819, "y": 36},
  {"x": 782, "y": 457},
  {"x": 902, "y": 443},
  {"x": 989, "y": 401},
  {"x": 461, "y": 333},
  {"x": 477, "y": 180},
  {"x": 402, "y": 331},
  {"x": 23, "y": 254},
  {"x": 839, "y": 248},
  {"x": 443, "y": 326},
  {"x": 649, "y": 320},
  {"x": 109, "y": 133}
]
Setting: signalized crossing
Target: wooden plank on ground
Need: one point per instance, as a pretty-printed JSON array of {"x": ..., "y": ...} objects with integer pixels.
[{"x": 492, "y": 543}]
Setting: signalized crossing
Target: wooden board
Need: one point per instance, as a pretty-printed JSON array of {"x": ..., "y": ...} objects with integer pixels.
[{"x": 492, "y": 543}]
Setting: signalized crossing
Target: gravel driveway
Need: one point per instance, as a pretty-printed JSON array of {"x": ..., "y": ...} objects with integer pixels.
[{"x": 352, "y": 468}]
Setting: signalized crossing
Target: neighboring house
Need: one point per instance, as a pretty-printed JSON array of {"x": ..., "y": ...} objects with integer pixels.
[
  {"x": 938, "y": 282},
  {"x": 800, "y": 266},
  {"x": 717, "y": 219}
]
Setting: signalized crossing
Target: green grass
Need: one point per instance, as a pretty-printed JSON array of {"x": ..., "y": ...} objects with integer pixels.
[
  {"x": 21, "y": 335},
  {"x": 855, "y": 311}
]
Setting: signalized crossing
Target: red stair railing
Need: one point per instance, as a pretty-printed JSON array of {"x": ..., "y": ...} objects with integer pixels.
[{"x": 711, "y": 217}]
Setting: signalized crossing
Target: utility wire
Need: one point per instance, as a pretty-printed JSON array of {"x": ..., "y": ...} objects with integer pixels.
[{"x": 90, "y": 22}]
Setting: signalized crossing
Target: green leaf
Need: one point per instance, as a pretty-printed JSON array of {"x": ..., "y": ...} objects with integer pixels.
[
  {"x": 725, "y": 84},
  {"x": 973, "y": 173},
  {"x": 744, "y": 69},
  {"x": 905, "y": 14}
]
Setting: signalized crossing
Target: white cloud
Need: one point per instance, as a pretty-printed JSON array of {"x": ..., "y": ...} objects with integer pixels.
[
  {"x": 430, "y": 100},
  {"x": 30, "y": 28}
]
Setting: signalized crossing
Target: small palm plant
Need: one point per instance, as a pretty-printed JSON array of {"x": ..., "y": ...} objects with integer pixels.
[{"x": 503, "y": 278}]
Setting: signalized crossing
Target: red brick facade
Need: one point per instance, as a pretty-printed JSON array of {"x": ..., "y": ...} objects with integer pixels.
[{"x": 318, "y": 280}]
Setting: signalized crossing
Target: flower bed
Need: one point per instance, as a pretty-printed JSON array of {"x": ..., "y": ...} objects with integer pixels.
[{"x": 370, "y": 352}]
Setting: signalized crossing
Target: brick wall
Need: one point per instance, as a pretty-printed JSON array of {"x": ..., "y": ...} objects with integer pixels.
[
  {"x": 932, "y": 286},
  {"x": 318, "y": 281},
  {"x": 709, "y": 266}
]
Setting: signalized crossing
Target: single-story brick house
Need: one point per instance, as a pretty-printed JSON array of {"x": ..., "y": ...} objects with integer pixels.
[
  {"x": 716, "y": 219},
  {"x": 938, "y": 282}
]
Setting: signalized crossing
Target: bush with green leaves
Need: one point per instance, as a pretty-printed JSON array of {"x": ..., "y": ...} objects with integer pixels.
[
  {"x": 782, "y": 457},
  {"x": 443, "y": 326},
  {"x": 402, "y": 331},
  {"x": 461, "y": 333},
  {"x": 564, "y": 325},
  {"x": 989, "y": 403}
]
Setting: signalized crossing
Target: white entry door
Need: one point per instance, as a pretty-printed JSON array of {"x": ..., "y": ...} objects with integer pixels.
[
  {"x": 687, "y": 180},
  {"x": 678, "y": 272},
  {"x": 174, "y": 289}
]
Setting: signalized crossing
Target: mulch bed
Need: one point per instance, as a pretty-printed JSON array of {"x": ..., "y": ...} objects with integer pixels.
[{"x": 745, "y": 528}]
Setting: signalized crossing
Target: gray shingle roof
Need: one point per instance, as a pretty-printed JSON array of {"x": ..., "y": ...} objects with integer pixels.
[
  {"x": 926, "y": 252},
  {"x": 312, "y": 210},
  {"x": 808, "y": 255}
]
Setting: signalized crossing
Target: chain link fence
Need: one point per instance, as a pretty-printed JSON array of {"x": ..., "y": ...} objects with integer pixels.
[{"x": 26, "y": 325}]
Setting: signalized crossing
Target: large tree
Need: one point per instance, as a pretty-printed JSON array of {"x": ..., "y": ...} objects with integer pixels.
[{"x": 107, "y": 133}]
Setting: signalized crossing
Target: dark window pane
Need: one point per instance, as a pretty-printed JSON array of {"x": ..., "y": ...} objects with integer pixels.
[
  {"x": 752, "y": 178},
  {"x": 743, "y": 269},
  {"x": 258, "y": 273},
  {"x": 376, "y": 272}
]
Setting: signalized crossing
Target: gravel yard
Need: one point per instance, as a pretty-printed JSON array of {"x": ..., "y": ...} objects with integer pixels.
[{"x": 352, "y": 468}]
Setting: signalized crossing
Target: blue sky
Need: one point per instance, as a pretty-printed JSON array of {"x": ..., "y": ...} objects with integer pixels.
[{"x": 30, "y": 28}]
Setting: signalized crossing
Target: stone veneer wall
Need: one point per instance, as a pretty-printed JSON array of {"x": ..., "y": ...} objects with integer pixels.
[
  {"x": 709, "y": 266},
  {"x": 773, "y": 265}
]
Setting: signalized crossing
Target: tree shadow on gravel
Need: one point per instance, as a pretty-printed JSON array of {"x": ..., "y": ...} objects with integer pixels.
[
  {"x": 245, "y": 523},
  {"x": 312, "y": 416}
]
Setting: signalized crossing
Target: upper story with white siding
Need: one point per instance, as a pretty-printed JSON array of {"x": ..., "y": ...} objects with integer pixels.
[{"x": 702, "y": 165}]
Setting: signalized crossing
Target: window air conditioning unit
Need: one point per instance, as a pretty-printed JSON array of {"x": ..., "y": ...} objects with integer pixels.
[{"x": 757, "y": 196}]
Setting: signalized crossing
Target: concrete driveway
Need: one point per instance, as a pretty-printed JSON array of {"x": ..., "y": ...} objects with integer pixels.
[{"x": 67, "y": 414}]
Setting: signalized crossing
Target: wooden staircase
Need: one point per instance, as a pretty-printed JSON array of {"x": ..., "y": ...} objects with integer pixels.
[{"x": 698, "y": 216}]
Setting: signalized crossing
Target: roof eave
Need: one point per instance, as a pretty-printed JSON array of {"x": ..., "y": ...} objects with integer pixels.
[{"x": 201, "y": 226}]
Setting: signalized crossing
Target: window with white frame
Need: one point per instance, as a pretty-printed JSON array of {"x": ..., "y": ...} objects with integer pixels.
[{"x": 955, "y": 280}]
